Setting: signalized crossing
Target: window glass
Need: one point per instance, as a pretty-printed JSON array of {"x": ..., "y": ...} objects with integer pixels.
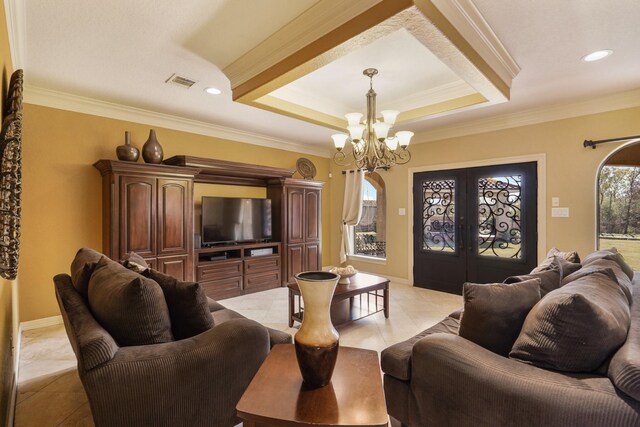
[{"x": 370, "y": 233}]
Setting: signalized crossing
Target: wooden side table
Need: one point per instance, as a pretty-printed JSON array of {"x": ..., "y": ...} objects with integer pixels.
[{"x": 276, "y": 396}]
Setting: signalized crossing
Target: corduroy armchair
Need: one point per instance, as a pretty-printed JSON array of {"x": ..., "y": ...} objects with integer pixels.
[{"x": 191, "y": 382}]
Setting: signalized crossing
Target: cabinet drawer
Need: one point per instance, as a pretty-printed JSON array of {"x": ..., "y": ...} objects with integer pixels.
[
  {"x": 263, "y": 281},
  {"x": 219, "y": 270},
  {"x": 262, "y": 264},
  {"x": 221, "y": 289}
]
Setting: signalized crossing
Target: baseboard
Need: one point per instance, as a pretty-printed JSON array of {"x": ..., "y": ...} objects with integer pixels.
[{"x": 40, "y": 323}]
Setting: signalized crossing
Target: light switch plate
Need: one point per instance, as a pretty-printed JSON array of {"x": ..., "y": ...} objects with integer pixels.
[
  {"x": 402, "y": 211},
  {"x": 560, "y": 212},
  {"x": 555, "y": 201}
]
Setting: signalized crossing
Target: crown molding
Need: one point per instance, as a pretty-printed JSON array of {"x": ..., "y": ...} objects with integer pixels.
[
  {"x": 16, "y": 28},
  {"x": 468, "y": 20},
  {"x": 312, "y": 24},
  {"x": 618, "y": 101},
  {"x": 80, "y": 104}
]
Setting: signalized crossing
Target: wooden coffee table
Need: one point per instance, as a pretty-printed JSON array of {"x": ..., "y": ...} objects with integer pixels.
[
  {"x": 365, "y": 295},
  {"x": 276, "y": 396}
]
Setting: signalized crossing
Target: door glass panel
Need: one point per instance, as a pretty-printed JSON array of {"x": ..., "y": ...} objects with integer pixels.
[
  {"x": 438, "y": 216},
  {"x": 499, "y": 228}
]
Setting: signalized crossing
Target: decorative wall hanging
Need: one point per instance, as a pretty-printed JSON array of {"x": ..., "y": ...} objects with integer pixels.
[
  {"x": 11, "y": 177},
  {"x": 306, "y": 168}
]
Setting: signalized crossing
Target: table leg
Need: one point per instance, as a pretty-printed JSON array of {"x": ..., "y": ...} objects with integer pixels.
[
  {"x": 291, "y": 308},
  {"x": 386, "y": 301}
]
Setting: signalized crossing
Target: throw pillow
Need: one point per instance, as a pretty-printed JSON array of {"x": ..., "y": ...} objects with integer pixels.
[
  {"x": 135, "y": 262},
  {"x": 571, "y": 256},
  {"x": 613, "y": 255},
  {"x": 549, "y": 279},
  {"x": 576, "y": 327},
  {"x": 82, "y": 268},
  {"x": 188, "y": 305},
  {"x": 129, "y": 306},
  {"x": 617, "y": 275},
  {"x": 494, "y": 313}
]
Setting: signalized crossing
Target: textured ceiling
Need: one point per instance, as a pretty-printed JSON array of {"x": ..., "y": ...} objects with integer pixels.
[{"x": 122, "y": 52}]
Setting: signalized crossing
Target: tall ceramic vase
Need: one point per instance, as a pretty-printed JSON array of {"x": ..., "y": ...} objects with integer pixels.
[
  {"x": 152, "y": 150},
  {"x": 316, "y": 342}
]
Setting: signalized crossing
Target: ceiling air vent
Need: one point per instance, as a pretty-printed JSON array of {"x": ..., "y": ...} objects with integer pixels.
[{"x": 180, "y": 81}]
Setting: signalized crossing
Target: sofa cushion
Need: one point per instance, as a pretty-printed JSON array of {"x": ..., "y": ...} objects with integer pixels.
[
  {"x": 610, "y": 254},
  {"x": 187, "y": 303},
  {"x": 494, "y": 313},
  {"x": 135, "y": 262},
  {"x": 82, "y": 268},
  {"x": 624, "y": 368},
  {"x": 129, "y": 306},
  {"x": 611, "y": 266},
  {"x": 549, "y": 279},
  {"x": 396, "y": 359},
  {"x": 576, "y": 327},
  {"x": 546, "y": 264}
]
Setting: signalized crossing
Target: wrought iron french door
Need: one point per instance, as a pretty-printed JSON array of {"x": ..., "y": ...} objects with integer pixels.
[{"x": 474, "y": 225}]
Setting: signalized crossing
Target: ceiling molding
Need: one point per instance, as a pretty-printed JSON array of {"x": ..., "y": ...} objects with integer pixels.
[
  {"x": 533, "y": 116},
  {"x": 435, "y": 95},
  {"x": 80, "y": 104},
  {"x": 16, "y": 28},
  {"x": 468, "y": 20},
  {"x": 312, "y": 24}
]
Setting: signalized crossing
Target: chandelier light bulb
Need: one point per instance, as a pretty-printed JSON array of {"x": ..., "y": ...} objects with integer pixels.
[
  {"x": 390, "y": 116},
  {"x": 339, "y": 140},
  {"x": 392, "y": 143},
  {"x": 404, "y": 138},
  {"x": 382, "y": 130},
  {"x": 356, "y": 132},
  {"x": 353, "y": 118}
]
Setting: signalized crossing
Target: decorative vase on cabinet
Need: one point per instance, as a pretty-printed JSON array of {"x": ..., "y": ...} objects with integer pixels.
[
  {"x": 127, "y": 152},
  {"x": 152, "y": 150},
  {"x": 317, "y": 341}
]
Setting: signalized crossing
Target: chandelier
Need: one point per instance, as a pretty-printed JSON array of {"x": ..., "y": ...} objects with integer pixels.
[{"x": 371, "y": 148}]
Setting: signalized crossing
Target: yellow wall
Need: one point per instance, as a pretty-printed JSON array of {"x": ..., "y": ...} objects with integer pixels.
[
  {"x": 571, "y": 174},
  {"x": 62, "y": 190},
  {"x": 7, "y": 288}
]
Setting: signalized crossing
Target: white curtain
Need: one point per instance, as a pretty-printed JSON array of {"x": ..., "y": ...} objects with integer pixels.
[{"x": 351, "y": 210}]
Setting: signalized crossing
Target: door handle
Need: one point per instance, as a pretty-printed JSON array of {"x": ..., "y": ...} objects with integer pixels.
[{"x": 461, "y": 234}]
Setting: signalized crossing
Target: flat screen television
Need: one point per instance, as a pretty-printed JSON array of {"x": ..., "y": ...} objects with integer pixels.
[{"x": 230, "y": 219}]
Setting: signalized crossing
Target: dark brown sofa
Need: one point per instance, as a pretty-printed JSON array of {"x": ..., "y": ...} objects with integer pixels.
[
  {"x": 196, "y": 381},
  {"x": 439, "y": 378}
]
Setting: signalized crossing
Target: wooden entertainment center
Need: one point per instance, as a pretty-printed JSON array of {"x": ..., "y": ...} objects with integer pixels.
[{"x": 148, "y": 209}]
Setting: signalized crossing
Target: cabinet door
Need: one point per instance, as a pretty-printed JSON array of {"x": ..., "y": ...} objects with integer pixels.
[
  {"x": 137, "y": 215},
  {"x": 312, "y": 215},
  {"x": 295, "y": 213},
  {"x": 176, "y": 266},
  {"x": 295, "y": 258},
  {"x": 174, "y": 216},
  {"x": 312, "y": 260}
]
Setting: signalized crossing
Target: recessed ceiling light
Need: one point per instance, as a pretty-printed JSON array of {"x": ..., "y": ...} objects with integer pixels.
[
  {"x": 597, "y": 55},
  {"x": 213, "y": 91}
]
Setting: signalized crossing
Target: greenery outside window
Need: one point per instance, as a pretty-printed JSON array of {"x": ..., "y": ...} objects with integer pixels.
[
  {"x": 619, "y": 204},
  {"x": 370, "y": 237}
]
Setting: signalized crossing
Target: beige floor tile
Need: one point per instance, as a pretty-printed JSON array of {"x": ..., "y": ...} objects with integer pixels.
[
  {"x": 37, "y": 374},
  {"x": 47, "y": 409},
  {"x": 80, "y": 418},
  {"x": 24, "y": 395}
]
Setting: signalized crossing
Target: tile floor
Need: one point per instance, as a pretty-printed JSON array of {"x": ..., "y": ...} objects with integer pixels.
[{"x": 50, "y": 392}]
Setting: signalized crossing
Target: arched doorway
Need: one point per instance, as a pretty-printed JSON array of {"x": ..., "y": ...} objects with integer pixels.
[{"x": 619, "y": 203}]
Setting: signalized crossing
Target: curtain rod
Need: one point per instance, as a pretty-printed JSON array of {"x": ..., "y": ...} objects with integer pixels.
[
  {"x": 352, "y": 171},
  {"x": 592, "y": 144}
]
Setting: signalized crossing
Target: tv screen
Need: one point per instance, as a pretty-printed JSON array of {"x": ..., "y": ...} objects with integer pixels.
[{"x": 229, "y": 219}]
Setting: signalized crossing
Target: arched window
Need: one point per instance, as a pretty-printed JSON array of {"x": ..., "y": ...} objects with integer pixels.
[
  {"x": 370, "y": 234},
  {"x": 619, "y": 203}
]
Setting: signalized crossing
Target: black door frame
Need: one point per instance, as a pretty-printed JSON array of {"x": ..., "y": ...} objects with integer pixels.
[{"x": 541, "y": 161}]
